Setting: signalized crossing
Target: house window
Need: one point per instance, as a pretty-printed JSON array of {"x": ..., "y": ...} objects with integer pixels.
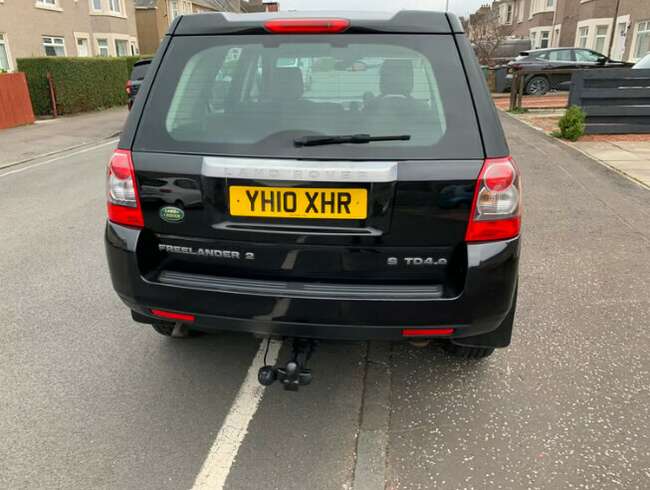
[
  {"x": 82, "y": 46},
  {"x": 509, "y": 14},
  {"x": 114, "y": 6},
  {"x": 642, "y": 39},
  {"x": 550, "y": 4},
  {"x": 121, "y": 47},
  {"x": 97, "y": 5},
  {"x": 543, "y": 39},
  {"x": 4, "y": 54},
  {"x": 583, "y": 36},
  {"x": 54, "y": 46},
  {"x": 173, "y": 9},
  {"x": 102, "y": 47},
  {"x": 601, "y": 38}
]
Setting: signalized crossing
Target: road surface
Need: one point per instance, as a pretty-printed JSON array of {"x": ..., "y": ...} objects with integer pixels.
[{"x": 88, "y": 399}]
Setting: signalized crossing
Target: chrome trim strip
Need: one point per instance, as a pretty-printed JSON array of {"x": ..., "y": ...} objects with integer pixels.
[
  {"x": 302, "y": 290},
  {"x": 297, "y": 170},
  {"x": 314, "y": 230}
]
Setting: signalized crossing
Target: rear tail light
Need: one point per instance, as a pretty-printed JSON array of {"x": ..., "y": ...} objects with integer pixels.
[
  {"x": 306, "y": 26},
  {"x": 129, "y": 84},
  {"x": 122, "y": 196},
  {"x": 170, "y": 315},
  {"x": 496, "y": 210}
]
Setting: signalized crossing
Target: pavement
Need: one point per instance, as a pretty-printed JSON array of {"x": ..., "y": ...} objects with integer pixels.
[
  {"x": 628, "y": 154},
  {"x": 89, "y": 399},
  {"x": 631, "y": 158},
  {"x": 51, "y": 136}
]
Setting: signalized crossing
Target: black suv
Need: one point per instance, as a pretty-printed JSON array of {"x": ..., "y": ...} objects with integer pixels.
[
  {"x": 558, "y": 59},
  {"x": 378, "y": 202},
  {"x": 138, "y": 72}
]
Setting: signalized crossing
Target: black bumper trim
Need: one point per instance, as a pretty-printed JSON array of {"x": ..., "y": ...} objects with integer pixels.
[{"x": 302, "y": 290}]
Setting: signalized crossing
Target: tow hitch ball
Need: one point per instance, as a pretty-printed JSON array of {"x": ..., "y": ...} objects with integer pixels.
[{"x": 295, "y": 373}]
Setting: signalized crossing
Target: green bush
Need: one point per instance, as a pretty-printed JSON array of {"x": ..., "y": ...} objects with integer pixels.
[
  {"x": 82, "y": 84},
  {"x": 572, "y": 124}
]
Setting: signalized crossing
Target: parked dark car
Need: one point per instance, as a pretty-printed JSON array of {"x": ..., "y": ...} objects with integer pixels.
[
  {"x": 557, "y": 58},
  {"x": 138, "y": 72},
  {"x": 381, "y": 204}
]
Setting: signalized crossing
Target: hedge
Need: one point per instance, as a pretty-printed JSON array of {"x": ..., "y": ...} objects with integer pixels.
[{"x": 82, "y": 84}]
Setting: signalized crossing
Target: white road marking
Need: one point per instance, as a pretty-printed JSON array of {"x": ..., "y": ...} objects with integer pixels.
[
  {"x": 60, "y": 157},
  {"x": 221, "y": 457}
]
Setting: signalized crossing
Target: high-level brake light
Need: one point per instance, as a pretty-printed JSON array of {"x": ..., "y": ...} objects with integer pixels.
[
  {"x": 121, "y": 193},
  {"x": 306, "y": 26},
  {"x": 496, "y": 210}
]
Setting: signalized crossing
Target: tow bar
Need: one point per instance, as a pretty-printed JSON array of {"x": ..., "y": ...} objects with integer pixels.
[{"x": 295, "y": 373}]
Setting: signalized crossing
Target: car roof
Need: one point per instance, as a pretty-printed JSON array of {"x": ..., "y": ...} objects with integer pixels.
[
  {"x": 543, "y": 50},
  {"x": 405, "y": 21}
]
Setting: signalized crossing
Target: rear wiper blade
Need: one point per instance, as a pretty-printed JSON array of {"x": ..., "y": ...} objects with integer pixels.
[{"x": 355, "y": 139}]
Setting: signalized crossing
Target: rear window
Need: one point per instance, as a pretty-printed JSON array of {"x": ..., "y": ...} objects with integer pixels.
[{"x": 254, "y": 95}]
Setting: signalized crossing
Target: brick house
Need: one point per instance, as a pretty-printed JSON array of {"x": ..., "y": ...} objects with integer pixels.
[
  {"x": 31, "y": 28},
  {"x": 592, "y": 24},
  {"x": 155, "y": 16}
]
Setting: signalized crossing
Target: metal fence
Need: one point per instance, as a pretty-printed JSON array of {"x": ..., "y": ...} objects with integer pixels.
[{"x": 616, "y": 101}]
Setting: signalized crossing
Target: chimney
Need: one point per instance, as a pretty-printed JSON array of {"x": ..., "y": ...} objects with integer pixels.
[{"x": 271, "y": 5}]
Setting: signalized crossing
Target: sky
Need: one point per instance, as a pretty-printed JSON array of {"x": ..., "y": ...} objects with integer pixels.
[{"x": 459, "y": 7}]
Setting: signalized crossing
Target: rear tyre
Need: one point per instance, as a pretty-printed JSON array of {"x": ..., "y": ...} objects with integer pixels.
[
  {"x": 538, "y": 86},
  {"x": 465, "y": 352},
  {"x": 167, "y": 330}
]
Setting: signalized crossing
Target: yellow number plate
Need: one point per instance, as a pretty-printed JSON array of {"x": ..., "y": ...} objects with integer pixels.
[{"x": 294, "y": 202}]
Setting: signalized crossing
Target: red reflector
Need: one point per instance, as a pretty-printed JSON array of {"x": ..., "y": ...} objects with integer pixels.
[
  {"x": 173, "y": 316},
  {"x": 306, "y": 26},
  {"x": 427, "y": 332}
]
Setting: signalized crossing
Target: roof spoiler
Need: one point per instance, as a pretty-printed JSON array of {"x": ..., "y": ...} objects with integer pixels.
[{"x": 403, "y": 22}]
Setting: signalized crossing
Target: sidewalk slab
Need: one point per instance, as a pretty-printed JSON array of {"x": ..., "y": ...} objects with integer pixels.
[
  {"x": 54, "y": 135},
  {"x": 609, "y": 151}
]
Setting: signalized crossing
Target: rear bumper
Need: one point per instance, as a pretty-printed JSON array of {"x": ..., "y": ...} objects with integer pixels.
[{"x": 487, "y": 298}]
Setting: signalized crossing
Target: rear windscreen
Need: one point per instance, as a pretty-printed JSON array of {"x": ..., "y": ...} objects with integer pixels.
[{"x": 255, "y": 95}]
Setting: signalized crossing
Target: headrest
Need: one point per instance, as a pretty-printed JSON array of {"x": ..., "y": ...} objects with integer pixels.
[
  {"x": 396, "y": 77},
  {"x": 287, "y": 83}
]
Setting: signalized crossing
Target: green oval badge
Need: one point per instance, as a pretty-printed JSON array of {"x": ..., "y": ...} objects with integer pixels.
[{"x": 172, "y": 214}]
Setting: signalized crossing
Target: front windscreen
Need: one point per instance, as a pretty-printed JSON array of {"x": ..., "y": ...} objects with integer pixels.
[{"x": 256, "y": 95}]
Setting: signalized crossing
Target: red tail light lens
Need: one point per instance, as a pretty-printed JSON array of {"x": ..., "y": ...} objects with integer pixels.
[
  {"x": 122, "y": 196},
  {"x": 306, "y": 26},
  {"x": 427, "y": 332},
  {"x": 496, "y": 210},
  {"x": 170, "y": 315}
]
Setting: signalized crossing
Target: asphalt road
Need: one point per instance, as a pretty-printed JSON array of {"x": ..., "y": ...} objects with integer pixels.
[{"x": 88, "y": 399}]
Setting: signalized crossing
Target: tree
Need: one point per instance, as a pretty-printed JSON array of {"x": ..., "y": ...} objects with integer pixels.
[{"x": 485, "y": 32}]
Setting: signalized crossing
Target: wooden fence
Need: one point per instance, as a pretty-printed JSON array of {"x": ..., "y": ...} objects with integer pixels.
[
  {"x": 15, "y": 104},
  {"x": 616, "y": 100}
]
